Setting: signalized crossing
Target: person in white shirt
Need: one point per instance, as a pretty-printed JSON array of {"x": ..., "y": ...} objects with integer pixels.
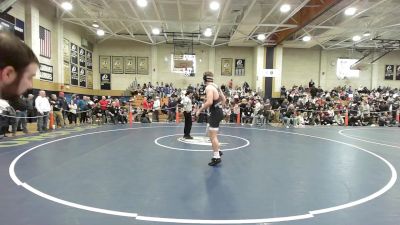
[
  {"x": 156, "y": 109},
  {"x": 42, "y": 105},
  {"x": 257, "y": 108},
  {"x": 72, "y": 111},
  {"x": 187, "y": 112}
]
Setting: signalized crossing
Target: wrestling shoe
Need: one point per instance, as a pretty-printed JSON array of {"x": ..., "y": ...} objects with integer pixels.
[
  {"x": 188, "y": 137},
  {"x": 214, "y": 161}
]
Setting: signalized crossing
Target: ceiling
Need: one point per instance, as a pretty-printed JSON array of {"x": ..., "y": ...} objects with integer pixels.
[{"x": 238, "y": 22}]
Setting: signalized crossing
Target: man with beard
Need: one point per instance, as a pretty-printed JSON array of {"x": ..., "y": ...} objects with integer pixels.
[{"x": 18, "y": 66}]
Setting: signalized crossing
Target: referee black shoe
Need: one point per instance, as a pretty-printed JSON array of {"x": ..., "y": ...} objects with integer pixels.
[
  {"x": 221, "y": 153},
  {"x": 215, "y": 161}
]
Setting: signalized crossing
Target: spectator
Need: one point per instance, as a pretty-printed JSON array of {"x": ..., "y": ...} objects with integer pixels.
[
  {"x": 42, "y": 105},
  {"x": 57, "y": 104},
  {"x": 72, "y": 111},
  {"x": 20, "y": 107},
  {"x": 30, "y": 109},
  {"x": 156, "y": 109}
]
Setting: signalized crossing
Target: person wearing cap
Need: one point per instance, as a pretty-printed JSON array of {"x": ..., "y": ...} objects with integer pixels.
[
  {"x": 215, "y": 100},
  {"x": 187, "y": 112}
]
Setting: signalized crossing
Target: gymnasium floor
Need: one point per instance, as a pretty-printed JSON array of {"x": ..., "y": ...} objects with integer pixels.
[{"x": 117, "y": 175}]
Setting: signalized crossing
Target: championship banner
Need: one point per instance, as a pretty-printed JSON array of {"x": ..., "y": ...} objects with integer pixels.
[
  {"x": 105, "y": 81},
  {"x": 46, "y": 72},
  {"x": 130, "y": 64},
  {"x": 143, "y": 65},
  {"x": 105, "y": 64},
  {"x": 117, "y": 64},
  {"x": 389, "y": 72},
  {"x": 226, "y": 67},
  {"x": 67, "y": 73},
  {"x": 239, "y": 67},
  {"x": 89, "y": 60},
  {"x": 398, "y": 72},
  {"x": 74, "y": 75},
  {"x": 89, "y": 77},
  {"x": 82, "y": 57},
  {"x": 66, "y": 51},
  {"x": 74, "y": 53},
  {"x": 82, "y": 77}
]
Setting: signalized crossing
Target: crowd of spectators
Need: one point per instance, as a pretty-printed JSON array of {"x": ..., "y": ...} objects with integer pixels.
[
  {"x": 297, "y": 106},
  {"x": 66, "y": 112}
]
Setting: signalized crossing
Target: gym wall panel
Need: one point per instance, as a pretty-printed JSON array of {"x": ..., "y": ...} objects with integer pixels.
[
  {"x": 299, "y": 66},
  {"x": 392, "y": 58},
  {"x": 120, "y": 48},
  {"x": 246, "y": 53},
  {"x": 331, "y": 79},
  {"x": 164, "y": 73}
]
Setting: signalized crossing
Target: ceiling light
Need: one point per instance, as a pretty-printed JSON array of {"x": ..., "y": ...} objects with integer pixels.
[
  {"x": 100, "y": 32},
  {"x": 285, "y": 8},
  {"x": 261, "y": 37},
  {"x": 141, "y": 3},
  {"x": 1, "y": 26},
  {"x": 214, "y": 5},
  {"x": 356, "y": 38},
  {"x": 367, "y": 34},
  {"x": 66, "y": 6},
  {"x": 95, "y": 25},
  {"x": 156, "y": 31},
  {"x": 306, "y": 38},
  {"x": 350, "y": 11},
  {"x": 208, "y": 32}
]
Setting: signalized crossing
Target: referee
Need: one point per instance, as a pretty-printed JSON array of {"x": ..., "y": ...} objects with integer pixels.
[{"x": 187, "y": 112}]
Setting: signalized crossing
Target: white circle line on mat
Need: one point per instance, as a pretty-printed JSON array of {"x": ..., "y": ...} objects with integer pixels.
[
  {"x": 157, "y": 142},
  {"x": 342, "y": 132}
]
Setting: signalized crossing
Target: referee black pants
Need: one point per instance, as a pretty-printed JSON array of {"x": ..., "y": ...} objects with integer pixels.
[{"x": 188, "y": 123}]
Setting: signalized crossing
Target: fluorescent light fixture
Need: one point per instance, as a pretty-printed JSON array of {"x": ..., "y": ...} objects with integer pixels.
[
  {"x": 214, "y": 5},
  {"x": 66, "y": 6},
  {"x": 350, "y": 11},
  {"x": 356, "y": 38},
  {"x": 208, "y": 32},
  {"x": 95, "y": 25},
  {"x": 367, "y": 34},
  {"x": 285, "y": 8},
  {"x": 261, "y": 37},
  {"x": 155, "y": 31},
  {"x": 142, "y": 3},
  {"x": 100, "y": 32},
  {"x": 306, "y": 38}
]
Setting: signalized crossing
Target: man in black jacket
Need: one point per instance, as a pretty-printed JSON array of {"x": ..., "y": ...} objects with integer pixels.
[{"x": 20, "y": 107}]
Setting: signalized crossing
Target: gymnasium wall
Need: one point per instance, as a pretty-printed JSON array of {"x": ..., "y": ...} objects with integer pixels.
[
  {"x": 161, "y": 70},
  {"x": 301, "y": 65}
]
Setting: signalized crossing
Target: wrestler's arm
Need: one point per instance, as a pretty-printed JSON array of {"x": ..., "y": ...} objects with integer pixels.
[{"x": 209, "y": 100}]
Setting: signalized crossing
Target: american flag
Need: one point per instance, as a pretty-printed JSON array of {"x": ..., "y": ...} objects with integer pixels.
[{"x": 45, "y": 42}]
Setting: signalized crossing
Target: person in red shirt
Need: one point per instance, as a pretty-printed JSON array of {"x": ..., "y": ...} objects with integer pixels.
[
  {"x": 145, "y": 104},
  {"x": 103, "y": 107},
  {"x": 103, "y": 103}
]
